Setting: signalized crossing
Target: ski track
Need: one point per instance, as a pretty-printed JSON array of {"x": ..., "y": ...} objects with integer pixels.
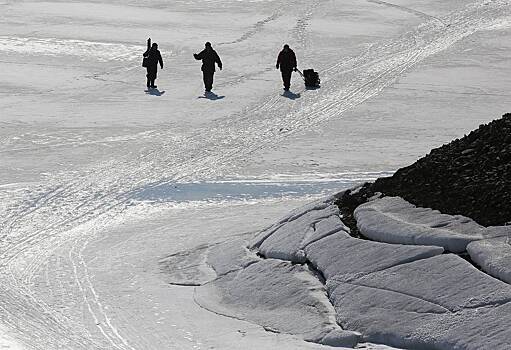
[
  {"x": 255, "y": 29},
  {"x": 71, "y": 207},
  {"x": 407, "y": 9}
]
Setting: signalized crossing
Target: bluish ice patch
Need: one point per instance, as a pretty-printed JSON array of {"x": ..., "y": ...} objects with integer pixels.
[{"x": 250, "y": 189}]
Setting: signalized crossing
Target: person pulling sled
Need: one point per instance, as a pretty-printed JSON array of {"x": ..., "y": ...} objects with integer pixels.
[
  {"x": 151, "y": 59},
  {"x": 286, "y": 61},
  {"x": 311, "y": 78}
]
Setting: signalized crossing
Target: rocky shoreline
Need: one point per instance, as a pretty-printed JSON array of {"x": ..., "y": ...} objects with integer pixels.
[{"x": 470, "y": 176}]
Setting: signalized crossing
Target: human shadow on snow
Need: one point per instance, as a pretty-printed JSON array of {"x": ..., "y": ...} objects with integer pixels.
[
  {"x": 211, "y": 96},
  {"x": 291, "y": 95},
  {"x": 154, "y": 92}
]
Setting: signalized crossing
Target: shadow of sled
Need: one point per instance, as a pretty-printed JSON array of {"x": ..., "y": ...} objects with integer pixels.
[
  {"x": 291, "y": 95},
  {"x": 211, "y": 96},
  {"x": 154, "y": 92}
]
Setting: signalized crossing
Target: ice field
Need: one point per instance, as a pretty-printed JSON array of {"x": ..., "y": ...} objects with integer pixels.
[{"x": 101, "y": 181}]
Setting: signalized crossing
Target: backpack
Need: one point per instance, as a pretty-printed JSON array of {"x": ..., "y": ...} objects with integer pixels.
[
  {"x": 145, "y": 60},
  {"x": 311, "y": 78}
]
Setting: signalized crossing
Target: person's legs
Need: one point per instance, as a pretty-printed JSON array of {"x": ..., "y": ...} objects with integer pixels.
[
  {"x": 153, "y": 78},
  {"x": 205, "y": 80},
  {"x": 211, "y": 75},
  {"x": 208, "y": 80},
  {"x": 286, "y": 78}
]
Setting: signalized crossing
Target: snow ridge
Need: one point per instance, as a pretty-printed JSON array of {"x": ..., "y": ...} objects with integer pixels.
[{"x": 394, "y": 220}]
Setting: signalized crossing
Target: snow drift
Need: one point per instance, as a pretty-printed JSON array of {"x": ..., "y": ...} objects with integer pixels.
[{"x": 394, "y": 220}]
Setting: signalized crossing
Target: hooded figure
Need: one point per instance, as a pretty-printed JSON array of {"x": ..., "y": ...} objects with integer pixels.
[
  {"x": 287, "y": 64},
  {"x": 153, "y": 58},
  {"x": 209, "y": 57}
]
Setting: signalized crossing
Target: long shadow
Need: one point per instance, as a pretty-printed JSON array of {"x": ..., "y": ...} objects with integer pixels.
[
  {"x": 291, "y": 95},
  {"x": 211, "y": 96},
  {"x": 154, "y": 92}
]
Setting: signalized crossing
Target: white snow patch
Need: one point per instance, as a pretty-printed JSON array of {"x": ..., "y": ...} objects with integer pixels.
[
  {"x": 394, "y": 220},
  {"x": 101, "y": 51},
  {"x": 7, "y": 342},
  {"x": 494, "y": 256}
]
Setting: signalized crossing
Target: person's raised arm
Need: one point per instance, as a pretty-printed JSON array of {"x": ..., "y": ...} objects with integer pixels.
[{"x": 199, "y": 56}]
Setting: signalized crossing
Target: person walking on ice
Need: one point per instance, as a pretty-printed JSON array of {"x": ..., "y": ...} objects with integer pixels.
[
  {"x": 209, "y": 57},
  {"x": 287, "y": 64},
  {"x": 151, "y": 59}
]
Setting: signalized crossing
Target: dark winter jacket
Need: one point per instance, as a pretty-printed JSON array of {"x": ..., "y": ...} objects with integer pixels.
[
  {"x": 153, "y": 58},
  {"x": 286, "y": 60},
  {"x": 209, "y": 57}
]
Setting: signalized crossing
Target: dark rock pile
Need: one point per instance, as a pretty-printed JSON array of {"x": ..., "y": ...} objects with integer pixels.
[
  {"x": 470, "y": 176},
  {"x": 349, "y": 201}
]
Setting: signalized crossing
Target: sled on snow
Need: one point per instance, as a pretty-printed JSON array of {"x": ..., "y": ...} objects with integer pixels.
[{"x": 311, "y": 78}]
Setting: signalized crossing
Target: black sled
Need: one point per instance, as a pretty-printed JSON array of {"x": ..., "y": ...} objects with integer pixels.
[{"x": 311, "y": 78}]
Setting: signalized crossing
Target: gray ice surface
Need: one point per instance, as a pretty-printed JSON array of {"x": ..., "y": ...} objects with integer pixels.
[
  {"x": 289, "y": 241},
  {"x": 438, "y": 303},
  {"x": 394, "y": 220},
  {"x": 494, "y": 256},
  {"x": 278, "y": 295},
  {"x": 338, "y": 254}
]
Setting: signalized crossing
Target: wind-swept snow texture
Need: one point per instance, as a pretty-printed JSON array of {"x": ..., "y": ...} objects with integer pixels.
[
  {"x": 394, "y": 220},
  {"x": 271, "y": 292},
  {"x": 279, "y": 296},
  {"x": 494, "y": 256},
  {"x": 440, "y": 303},
  {"x": 339, "y": 254},
  {"x": 288, "y": 241}
]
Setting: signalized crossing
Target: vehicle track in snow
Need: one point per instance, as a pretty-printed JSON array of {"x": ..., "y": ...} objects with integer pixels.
[{"x": 34, "y": 225}]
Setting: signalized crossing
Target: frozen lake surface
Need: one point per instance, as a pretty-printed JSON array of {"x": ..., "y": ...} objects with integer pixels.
[
  {"x": 255, "y": 189},
  {"x": 99, "y": 180}
]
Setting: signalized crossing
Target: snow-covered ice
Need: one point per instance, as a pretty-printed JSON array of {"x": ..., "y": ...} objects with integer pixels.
[
  {"x": 279, "y": 296},
  {"x": 394, "y": 220},
  {"x": 338, "y": 254},
  {"x": 92, "y": 229},
  {"x": 317, "y": 206},
  {"x": 494, "y": 256},
  {"x": 438, "y": 303},
  {"x": 289, "y": 241},
  {"x": 408, "y": 296}
]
